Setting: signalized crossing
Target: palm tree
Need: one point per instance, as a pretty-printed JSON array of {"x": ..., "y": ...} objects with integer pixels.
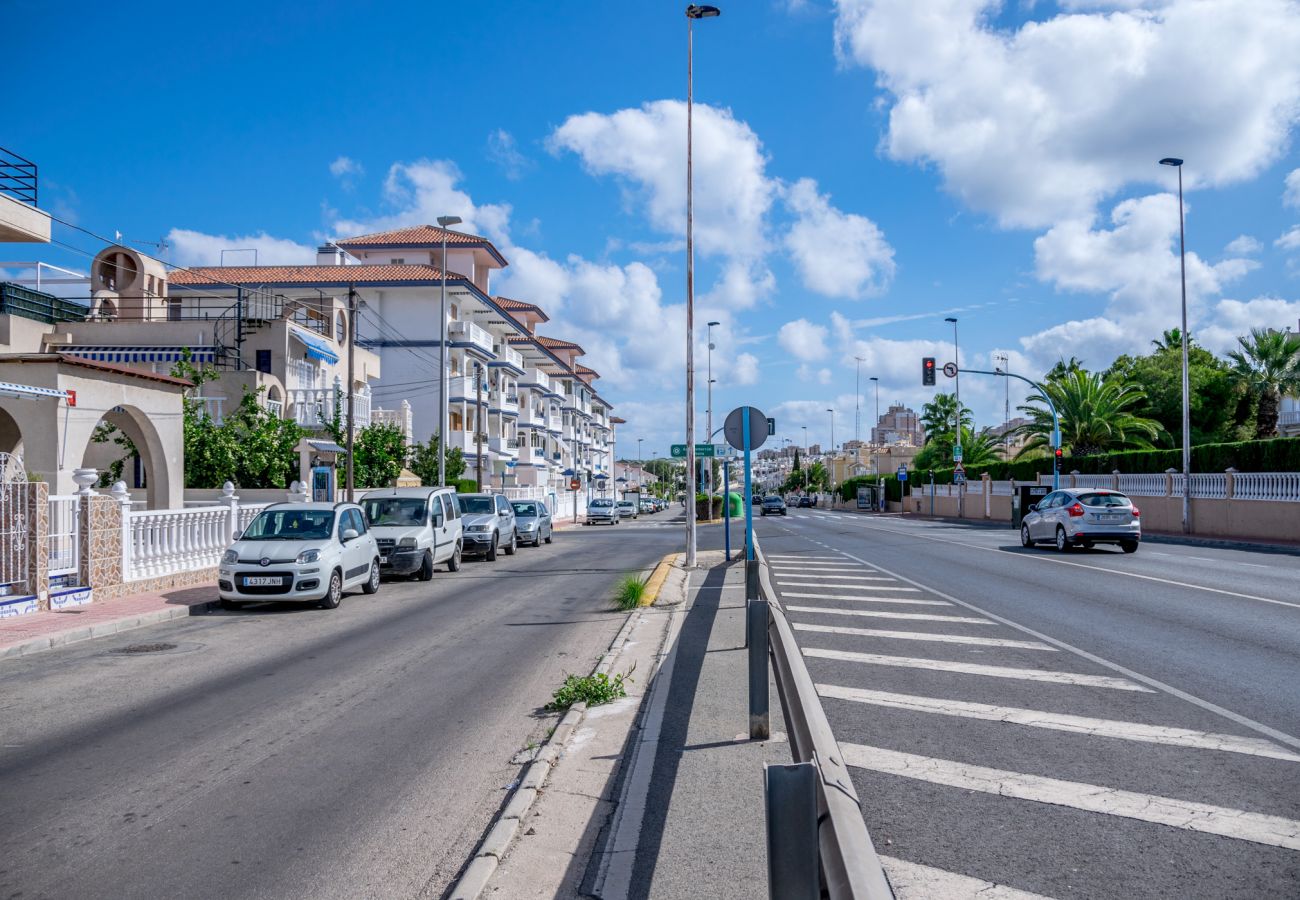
[
  {"x": 938, "y": 417},
  {"x": 980, "y": 449},
  {"x": 1096, "y": 416},
  {"x": 1268, "y": 363},
  {"x": 1171, "y": 339}
]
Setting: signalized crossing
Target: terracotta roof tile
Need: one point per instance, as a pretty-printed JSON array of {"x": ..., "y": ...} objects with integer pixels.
[
  {"x": 83, "y": 363},
  {"x": 421, "y": 235},
  {"x": 340, "y": 275},
  {"x": 520, "y": 306},
  {"x": 551, "y": 343}
]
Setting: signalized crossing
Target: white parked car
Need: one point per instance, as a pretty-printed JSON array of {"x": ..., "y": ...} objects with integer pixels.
[
  {"x": 416, "y": 529},
  {"x": 303, "y": 553},
  {"x": 1082, "y": 517}
]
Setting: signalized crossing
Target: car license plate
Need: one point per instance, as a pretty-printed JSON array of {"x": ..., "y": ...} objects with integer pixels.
[
  {"x": 261, "y": 581},
  {"x": 383, "y": 560},
  {"x": 1112, "y": 518}
]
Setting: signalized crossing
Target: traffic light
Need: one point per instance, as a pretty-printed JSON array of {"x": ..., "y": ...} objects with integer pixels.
[
  {"x": 1056, "y": 460},
  {"x": 927, "y": 371}
]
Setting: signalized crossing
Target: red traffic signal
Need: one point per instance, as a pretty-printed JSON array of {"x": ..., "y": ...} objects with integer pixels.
[
  {"x": 1059, "y": 452},
  {"x": 927, "y": 371}
]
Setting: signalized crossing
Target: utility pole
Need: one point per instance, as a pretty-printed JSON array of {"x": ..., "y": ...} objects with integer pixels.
[
  {"x": 1006, "y": 433},
  {"x": 352, "y": 346},
  {"x": 956, "y": 361},
  {"x": 857, "y": 404},
  {"x": 443, "y": 403},
  {"x": 478, "y": 426}
]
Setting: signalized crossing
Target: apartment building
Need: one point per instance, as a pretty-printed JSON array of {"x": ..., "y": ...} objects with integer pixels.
[{"x": 899, "y": 425}]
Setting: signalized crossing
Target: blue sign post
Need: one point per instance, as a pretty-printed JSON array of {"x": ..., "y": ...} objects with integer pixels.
[
  {"x": 746, "y": 429},
  {"x": 726, "y": 506},
  {"x": 749, "y": 490}
]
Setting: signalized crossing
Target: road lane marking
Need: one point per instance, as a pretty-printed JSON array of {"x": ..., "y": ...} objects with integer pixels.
[
  {"x": 806, "y": 558},
  {"x": 824, "y": 577},
  {"x": 1033, "y": 718},
  {"x": 913, "y": 880},
  {"x": 785, "y": 595},
  {"x": 1062, "y": 562},
  {"x": 939, "y": 665},
  {"x": 856, "y": 587},
  {"x": 818, "y": 570},
  {"x": 1250, "y": 723},
  {"x": 820, "y": 565},
  {"x": 920, "y": 636},
  {"x": 1258, "y": 828},
  {"x": 883, "y": 614},
  {"x": 1255, "y": 565}
]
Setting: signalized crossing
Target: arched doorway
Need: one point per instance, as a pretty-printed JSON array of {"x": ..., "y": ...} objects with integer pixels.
[
  {"x": 126, "y": 446},
  {"x": 11, "y": 436}
]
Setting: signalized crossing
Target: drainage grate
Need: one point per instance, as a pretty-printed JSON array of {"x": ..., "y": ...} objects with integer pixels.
[{"x": 145, "y": 648}]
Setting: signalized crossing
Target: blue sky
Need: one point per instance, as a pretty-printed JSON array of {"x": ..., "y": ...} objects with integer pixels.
[{"x": 862, "y": 170}]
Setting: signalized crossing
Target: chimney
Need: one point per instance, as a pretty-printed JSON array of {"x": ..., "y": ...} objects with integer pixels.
[{"x": 329, "y": 255}]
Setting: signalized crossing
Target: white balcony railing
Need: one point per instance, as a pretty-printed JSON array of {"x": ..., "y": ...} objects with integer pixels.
[
  {"x": 316, "y": 407},
  {"x": 275, "y": 408},
  {"x": 538, "y": 377},
  {"x": 510, "y": 355},
  {"x": 469, "y": 333},
  {"x": 506, "y": 446}
]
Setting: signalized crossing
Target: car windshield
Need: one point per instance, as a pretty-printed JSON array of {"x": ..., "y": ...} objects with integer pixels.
[
  {"x": 477, "y": 505},
  {"x": 625, "y": 503},
  {"x": 601, "y": 503},
  {"x": 525, "y": 509},
  {"x": 291, "y": 525},
  {"x": 1104, "y": 500},
  {"x": 394, "y": 510}
]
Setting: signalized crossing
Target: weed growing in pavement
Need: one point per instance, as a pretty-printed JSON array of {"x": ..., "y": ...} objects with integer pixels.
[
  {"x": 590, "y": 689},
  {"x": 630, "y": 591}
]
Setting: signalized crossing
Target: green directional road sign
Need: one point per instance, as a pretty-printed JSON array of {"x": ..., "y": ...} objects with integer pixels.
[{"x": 679, "y": 450}]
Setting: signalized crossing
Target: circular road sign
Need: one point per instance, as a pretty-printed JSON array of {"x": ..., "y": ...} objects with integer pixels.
[
  {"x": 950, "y": 369},
  {"x": 734, "y": 429},
  {"x": 574, "y": 484}
]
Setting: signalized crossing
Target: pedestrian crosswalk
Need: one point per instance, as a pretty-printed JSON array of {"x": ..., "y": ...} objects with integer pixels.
[{"x": 869, "y": 677}]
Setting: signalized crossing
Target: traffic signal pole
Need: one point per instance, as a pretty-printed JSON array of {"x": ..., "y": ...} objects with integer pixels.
[{"x": 1056, "y": 419}]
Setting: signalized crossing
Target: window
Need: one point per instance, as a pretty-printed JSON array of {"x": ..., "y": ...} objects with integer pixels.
[
  {"x": 264, "y": 361},
  {"x": 503, "y": 505},
  {"x": 290, "y": 524},
  {"x": 449, "y": 508},
  {"x": 356, "y": 520},
  {"x": 1118, "y": 500},
  {"x": 400, "y": 261},
  {"x": 340, "y": 327}
]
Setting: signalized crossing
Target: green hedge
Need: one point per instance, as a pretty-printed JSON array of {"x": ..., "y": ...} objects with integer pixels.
[
  {"x": 893, "y": 487},
  {"x": 1276, "y": 455},
  {"x": 467, "y": 486}
]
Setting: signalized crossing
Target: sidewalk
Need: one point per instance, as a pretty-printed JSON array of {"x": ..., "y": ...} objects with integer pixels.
[
  {"x": 660, "y": 795},
  {"x": 21, "y": 635}
]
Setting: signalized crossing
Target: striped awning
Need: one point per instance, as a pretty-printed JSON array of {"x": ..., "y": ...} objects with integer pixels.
[
  {"x": 27, "y": 391},
  {"x": 155, "y": 354},
  {"x": 316, "y": 346}
]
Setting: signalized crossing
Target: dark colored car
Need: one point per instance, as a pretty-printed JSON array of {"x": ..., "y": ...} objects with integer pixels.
[
  {"x": 805, "y": 502},
  {"x": 773, "y": 505}
]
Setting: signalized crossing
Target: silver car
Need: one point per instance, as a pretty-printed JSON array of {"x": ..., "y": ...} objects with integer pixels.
[
  {"x": 488, "y": 524},
  {"x": 602, "y": 509},
  {"x": 533, "y": 520},
  {"x": 1081, "y": 517}
]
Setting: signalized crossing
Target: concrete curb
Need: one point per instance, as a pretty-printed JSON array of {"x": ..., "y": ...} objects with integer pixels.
[
  {"x": 505, "y": 831},
  {"x": 655, "y": 583},
  {"x": 103, "y": 629}
]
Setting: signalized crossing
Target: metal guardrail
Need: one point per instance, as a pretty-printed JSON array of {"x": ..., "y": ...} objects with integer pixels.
[
  {"x": 18, "y": 177},
  {"x": 851, "y": 870}
]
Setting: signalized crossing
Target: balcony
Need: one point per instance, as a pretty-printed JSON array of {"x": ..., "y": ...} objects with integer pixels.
[
  {"x": 504, "y": 446},
  {"x": 508, "y": 403},
  {"x": 316, "y": 407},
  {"x": 531, "y": 417},
  {"x": 509, "y": 357},
  {"x": 20, "y": 220},
  {"x": 471, "y": 337},
  {"x": 530, "y": 454},
  {"x": 536, "y": 378}
]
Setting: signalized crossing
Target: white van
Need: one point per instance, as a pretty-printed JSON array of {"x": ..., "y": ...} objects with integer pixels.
[{"x": 416, "y": 528}]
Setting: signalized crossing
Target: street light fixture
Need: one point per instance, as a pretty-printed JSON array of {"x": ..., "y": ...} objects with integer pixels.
[
  {"x": 875, "y": 443},
  {"x": 1186, "y": 341},
  {"x": 956, "y": 361},
  {"x": 708, "y": 423},
  {"x": 693, "y": 12},
  {"x": 444, "y": 222}
]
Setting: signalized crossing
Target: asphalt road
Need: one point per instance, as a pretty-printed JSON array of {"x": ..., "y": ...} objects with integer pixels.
[
  {"x": 281, "y": 751},
  {"x": 1088, "y": 724}
]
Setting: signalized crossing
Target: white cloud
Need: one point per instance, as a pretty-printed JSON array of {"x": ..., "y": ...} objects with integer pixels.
[
  {"x": 1291, "y": 195},
  {"x": 647, "y": 148},
  {"x": 745, "y": 372},
  {"x": 1244, "y": 245},
  {"x": 194, "y": 248},
  {"x": 1233, "y": 318},
  {"x": 503, "y": 150},
  {"x": 1290, "y": 240},
  {"x": 803, "y": 340},
  {"x": 838, "y": 254},
  {"x": 344, "y": 167},
  {"x": 1015, "y": 131}
]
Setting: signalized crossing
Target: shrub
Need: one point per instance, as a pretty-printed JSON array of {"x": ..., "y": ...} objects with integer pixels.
[
  {"x": 590, "y": 689},
  {"x": 466, "y": 486},
  {"x": 630, "y": 591}
]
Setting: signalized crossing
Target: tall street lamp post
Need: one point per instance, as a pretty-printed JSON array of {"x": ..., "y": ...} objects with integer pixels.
[
  {"x": 693, "y": 12},
  {"x": 956, "y": 360},
  {"x": 805, "y": 458},
  {"x": 831, "y": 473},
  {"x": 444, "y": 222},
  {"x": 857, "y": 403},
  {"x": 875, "y": 445},
  {"x": 708, "y": 423},
  {"x": 1186, "y": 342}
]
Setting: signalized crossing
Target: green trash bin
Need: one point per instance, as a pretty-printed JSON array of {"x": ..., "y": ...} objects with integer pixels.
[{"x": 735, "y": 505}]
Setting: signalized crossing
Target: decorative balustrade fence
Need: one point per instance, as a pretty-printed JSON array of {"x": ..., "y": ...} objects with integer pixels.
[
  {"x": 168, "y": 541},
  {"x": 1266, "y": 486}
]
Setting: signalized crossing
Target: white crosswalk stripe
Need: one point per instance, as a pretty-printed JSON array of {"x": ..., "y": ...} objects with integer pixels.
[
  {"x": 804, "y": 558},
  {"x": 921, "y": 636},
  {"x": 1259, "y": 828},
  {"x": 911, "y": 601},
  {"x": 797, "y": 574},
  {"x": 818, "y": 567},
  {"x": 1033, "y": 718},
  {"x": 855, "y": 587},
  {"x": 882, "y": 614},
  {"x": 913, "y": 880},
  {"x": 939, "y": 665}
]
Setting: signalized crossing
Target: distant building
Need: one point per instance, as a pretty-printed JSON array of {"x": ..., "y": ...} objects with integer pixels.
[{"x": 899, "y": 425}]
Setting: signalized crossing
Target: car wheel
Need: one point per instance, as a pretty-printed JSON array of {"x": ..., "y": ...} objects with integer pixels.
[
  {"x": 1129, "y": 546},
  {"x": 1025, "y": 539},
  {"x": 334, "y": 596},
  {"x": 548, "y": 537},
  {"x": 233, "y": 605},
  {"x": 492, "y": 550},
  {"x": 453, "y": 564},
  {"x": 1062, "y": 542},
  {"x": 513, "y": 545},
  {"x": 426, "y": 567},
  {"x": 372, "y": 583}
]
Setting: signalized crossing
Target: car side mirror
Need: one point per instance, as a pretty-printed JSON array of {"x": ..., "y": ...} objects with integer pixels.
[
  {"x": 349, "y": 534},
  {"x": 437, "y": 520},
  {"x": 1033, "y": 507},
  {"x": 503, "y": 514}
]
